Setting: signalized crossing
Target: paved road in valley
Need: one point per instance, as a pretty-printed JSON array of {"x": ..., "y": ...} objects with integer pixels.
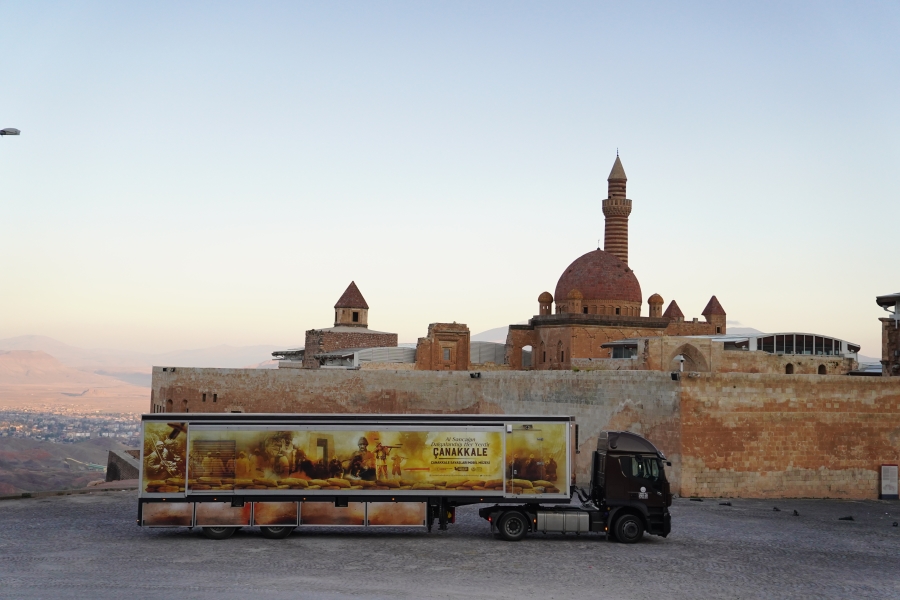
[{"x": 89, "y": 547}]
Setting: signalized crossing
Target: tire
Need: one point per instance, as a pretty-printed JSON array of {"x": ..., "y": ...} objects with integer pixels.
[
  {"x": 276, "y": 533},
  {"x": 513, "y": 526},
  {"x": 629, "y": 529},
  {"x": 219, "y": 533}
]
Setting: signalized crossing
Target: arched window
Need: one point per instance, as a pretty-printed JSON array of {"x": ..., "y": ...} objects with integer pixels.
[
  {"x": 528, "y": 357},
  {"x": 559, "y": 351},
  {"x": 184, "y": 406},
  {"x": 789, "y": 369},
  {"x": 543, "y": 353},
  {"x": 169, "y": 405},
  {"x": 822, "y": 370}
]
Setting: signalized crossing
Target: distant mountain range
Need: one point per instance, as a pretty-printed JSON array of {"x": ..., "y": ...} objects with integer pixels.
[
  {"x": 135, "y": 367},
  {"x": 497, "y": 334}
]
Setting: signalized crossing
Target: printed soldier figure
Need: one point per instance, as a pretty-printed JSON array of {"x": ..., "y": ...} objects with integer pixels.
[
  {"x": 208, "y": 464},
  {"x": 228, "y": 462},
  {"x": 242, "y": 467},
  {"x": 533, "y": 468},
  {"x": 381, "y": 458},
  {"x": 282, "y": 465},
  {"x": 162, "y": 462},
  {"x": 196, "y": 466},
  {"x": 362, "y": 464},
  {"x": 396, "y": 461},
  {"x": 255, "y": 463}
]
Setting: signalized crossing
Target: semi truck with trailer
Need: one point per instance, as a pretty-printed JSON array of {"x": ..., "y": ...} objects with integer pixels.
[{"x": 220, "y": 472}]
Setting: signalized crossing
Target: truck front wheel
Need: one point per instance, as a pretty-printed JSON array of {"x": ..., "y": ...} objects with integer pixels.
[
  {"x": 219, "y": 533},
  {"x": 276, "y": 533},
  {"x": 512, "y": 526},
  {"x": 629, "y": 529}
]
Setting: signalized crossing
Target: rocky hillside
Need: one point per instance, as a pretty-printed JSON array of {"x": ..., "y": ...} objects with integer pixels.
[{"x": 34, "y": 466}]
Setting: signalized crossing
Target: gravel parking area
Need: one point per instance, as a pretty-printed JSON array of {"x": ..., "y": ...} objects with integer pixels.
[{"x": 89, "y": 546}]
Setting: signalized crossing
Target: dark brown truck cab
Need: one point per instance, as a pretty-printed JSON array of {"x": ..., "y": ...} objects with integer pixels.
[
  {"x": 629, "y": 495},
  {"x": 629, "y": 478}
]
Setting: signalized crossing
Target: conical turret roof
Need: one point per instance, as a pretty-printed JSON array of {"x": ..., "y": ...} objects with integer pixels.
[
  {"x": 352, "y": 298},
  {"x": 618, "y": 172},
  {"x": 713, "y": 308},
  {"x": 673, "y": 312}
]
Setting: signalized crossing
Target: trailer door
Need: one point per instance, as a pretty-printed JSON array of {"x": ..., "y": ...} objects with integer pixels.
[{"x": 526, "y": 453}]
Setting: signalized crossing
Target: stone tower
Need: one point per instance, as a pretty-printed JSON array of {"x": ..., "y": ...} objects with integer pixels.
[
  {"x": 655, "y": 301},
  {"x": 616, "y": 209},
  {"x": 351, "y": 309},
  {"x": 545, "y": 303},
  {"x": 715, "y": 314}
]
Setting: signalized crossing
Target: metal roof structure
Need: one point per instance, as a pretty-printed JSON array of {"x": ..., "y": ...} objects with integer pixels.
[
  {"x": 352, "y": 358},
  {"x": 787, "y": 342}
]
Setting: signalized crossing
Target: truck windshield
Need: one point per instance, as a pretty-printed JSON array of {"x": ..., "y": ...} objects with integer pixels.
[{"x": 640, "y": 467}]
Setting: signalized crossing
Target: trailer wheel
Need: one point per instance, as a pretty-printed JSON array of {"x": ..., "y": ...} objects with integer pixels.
[
  {"x": 276, "y": 533},
  {"x": 629, "y": 529},
  {"x": 219, "y": 533},
  {"x": 513, "y": 526}
]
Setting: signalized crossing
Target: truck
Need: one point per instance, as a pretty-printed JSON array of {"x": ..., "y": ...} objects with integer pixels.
[{"x": 279, "y": 472}]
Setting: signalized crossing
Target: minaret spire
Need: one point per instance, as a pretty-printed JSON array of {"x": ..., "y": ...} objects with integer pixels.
[{"x": 616, "y": 209}]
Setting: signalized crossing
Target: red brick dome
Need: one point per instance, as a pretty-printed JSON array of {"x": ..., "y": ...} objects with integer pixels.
[{"x": 599, "y": 275}]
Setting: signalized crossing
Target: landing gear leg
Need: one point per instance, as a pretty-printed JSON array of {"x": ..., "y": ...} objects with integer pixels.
[{"x": 442, "y": 518}]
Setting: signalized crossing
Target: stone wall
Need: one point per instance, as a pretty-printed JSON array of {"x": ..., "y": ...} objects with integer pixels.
[
  {"x": 890, "y": 348},
  {"x": 561, "y": 341},
  {"x": 644, "y": 402},
  {"x": 756, "y": 435},
  {"x": 324, "y": 340},
  {"x": 446, "y": 348},
  {"x": 122, "y": 465},
  {"x": 705, "y": 354},
  {"x": 727, "y": 434}
]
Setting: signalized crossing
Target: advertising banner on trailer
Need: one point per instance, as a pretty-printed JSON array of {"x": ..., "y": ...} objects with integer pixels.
[{"x": 196, "y": 458}]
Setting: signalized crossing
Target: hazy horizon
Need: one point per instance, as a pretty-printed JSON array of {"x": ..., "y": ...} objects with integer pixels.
[{"x": 196, "y": 175}]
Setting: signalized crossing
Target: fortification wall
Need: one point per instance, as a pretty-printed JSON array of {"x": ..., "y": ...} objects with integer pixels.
[
  {"x": 727, "y": 434},
  {"x": 760, "y": 435},
  {"x": 644, "y": 402}
]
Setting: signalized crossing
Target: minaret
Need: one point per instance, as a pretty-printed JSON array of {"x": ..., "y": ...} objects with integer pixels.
[{"x": 616, "y": 208}]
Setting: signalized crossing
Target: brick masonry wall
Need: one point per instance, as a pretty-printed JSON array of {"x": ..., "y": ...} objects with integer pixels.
[
  {"x": 318, "y": 341},
  {"x": 658, "y": 354},
  {"x": 638, "y": 401},
  {"x": 756, "y": 435},
  {"x": 727, "y": 434}
]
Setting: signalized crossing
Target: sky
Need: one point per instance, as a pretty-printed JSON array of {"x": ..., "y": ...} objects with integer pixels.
[{"x": 195, "y": 174}]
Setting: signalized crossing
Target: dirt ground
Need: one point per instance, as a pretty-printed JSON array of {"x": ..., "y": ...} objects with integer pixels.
[{"x": 90, "y": 547}]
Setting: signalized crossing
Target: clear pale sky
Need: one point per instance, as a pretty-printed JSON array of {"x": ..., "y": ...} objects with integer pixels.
[{"x": 217, "y": 173}]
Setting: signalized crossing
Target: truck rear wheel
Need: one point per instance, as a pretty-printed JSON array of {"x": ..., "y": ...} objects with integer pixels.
[
  {"x": 219, "y": 533},
  {"x": 276, "y": 533},
  {"x": 629, "y": 529},
  {"x": 513, "y": 526}
]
